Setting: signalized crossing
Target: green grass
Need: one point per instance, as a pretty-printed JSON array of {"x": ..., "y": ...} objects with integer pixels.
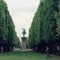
[{"x": 26, "y": 56}]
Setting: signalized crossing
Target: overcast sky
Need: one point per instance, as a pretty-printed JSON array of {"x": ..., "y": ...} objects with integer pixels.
[{"x": 22, "y": 12}]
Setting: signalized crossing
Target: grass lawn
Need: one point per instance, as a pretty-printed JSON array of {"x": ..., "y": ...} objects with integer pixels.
[{"x": 26, "y": 56}]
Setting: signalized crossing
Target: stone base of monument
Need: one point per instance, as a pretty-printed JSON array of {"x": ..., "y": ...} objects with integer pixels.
[{"x": 23, "y": 43}]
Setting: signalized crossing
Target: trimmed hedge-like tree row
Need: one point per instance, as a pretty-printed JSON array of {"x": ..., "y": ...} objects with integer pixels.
[
  {"x": 8, "y": 37},
  {"x": 44, "y": 30}
]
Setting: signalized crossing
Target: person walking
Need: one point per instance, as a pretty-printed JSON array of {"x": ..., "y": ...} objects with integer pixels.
[
  {"x": 47, "y": 51},
  {"x": 58, "y": 50}
]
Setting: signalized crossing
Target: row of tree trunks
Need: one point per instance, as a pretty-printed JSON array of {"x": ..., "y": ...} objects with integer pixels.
[{"x": 5, "y": 47}]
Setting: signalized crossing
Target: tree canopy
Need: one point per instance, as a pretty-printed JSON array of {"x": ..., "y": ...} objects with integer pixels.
[
  {"x": 44, "y": 28},
  {"x": 8, "y": 36}
]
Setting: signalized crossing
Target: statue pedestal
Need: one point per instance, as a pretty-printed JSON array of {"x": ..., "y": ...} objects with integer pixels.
[{"x": 23, "y": 43}]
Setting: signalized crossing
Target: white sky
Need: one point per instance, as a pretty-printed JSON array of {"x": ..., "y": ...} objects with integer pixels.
[{"x": 22, "y": 12}]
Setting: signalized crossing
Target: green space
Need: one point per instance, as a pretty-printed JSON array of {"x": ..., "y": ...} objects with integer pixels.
[
  {"x": 26, "y": 56},
  {"x": 44, "y": 33}
]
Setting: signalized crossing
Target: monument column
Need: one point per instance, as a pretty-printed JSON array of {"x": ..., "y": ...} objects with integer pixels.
[
  {"x": 23, "y": 40},
  {"x": 23, "y": 43}
]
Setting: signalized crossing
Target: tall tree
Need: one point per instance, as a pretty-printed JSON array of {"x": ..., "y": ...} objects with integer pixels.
[
  {"x": 7, "y": 29},
  {"x": 45, "y": 23}
]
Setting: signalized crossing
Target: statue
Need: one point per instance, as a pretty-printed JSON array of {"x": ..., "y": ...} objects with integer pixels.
[{"x": 24, "y": 32}]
